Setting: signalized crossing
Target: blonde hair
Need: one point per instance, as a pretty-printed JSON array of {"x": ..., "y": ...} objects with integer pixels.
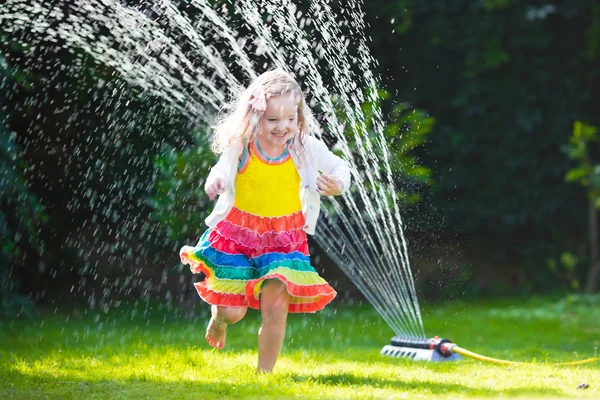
[{"x": 238, "y": 119}]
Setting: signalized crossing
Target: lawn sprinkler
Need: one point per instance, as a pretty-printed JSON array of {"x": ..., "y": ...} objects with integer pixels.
[
  {"x": 434, "y": 349},
  {"x": 437, "y": 349}
]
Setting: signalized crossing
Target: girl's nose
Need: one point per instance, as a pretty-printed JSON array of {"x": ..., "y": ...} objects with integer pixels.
[{"x": 283, "y": 125}]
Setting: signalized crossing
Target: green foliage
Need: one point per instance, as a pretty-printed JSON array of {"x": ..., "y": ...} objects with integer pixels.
[
  {"x": 587, "y": 174},
  {"x": 504, "y": 79},
  {"x": 495, "y": 76},
  {"x": 585, "y": 304},
  {"x": 21, "y": 214},
  {"x": 405, "y": 131},
  {"x": 178, "y": 201},
  {"x": 584, "y": 173},
  {"x": 88, "y": 140},
  {"x": 565, "y": 269}
]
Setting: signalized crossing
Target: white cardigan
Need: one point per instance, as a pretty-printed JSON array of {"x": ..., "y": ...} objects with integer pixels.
[{"x": 309, "y": 159}]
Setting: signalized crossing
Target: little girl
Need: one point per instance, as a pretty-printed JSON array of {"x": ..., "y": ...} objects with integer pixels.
[{"x": 268, "y": 180}]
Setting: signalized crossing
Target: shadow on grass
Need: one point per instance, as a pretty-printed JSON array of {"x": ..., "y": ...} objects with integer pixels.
[
  {"x": 14, "y": 384},
  {"x": 434, "y": 387},
  {"x": 20, "y": 385}
]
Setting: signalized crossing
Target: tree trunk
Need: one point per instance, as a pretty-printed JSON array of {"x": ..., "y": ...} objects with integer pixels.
[{"x": 592, "y": 275}]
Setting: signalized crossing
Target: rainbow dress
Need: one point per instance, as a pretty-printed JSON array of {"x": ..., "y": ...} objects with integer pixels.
[{"x": 261, "y": 238}]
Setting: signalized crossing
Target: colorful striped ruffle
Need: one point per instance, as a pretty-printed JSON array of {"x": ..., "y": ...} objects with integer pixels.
[{"x": 244, "y": 250}]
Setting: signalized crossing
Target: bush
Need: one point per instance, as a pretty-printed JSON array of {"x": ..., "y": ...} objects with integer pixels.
[
  {"x": 21, "y": 215},
  {"x": 179, "y": 202}
]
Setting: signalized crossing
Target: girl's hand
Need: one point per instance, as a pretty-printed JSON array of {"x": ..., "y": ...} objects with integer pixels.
[
  {"x": 328, "y": 185},
  {"x": 215, "y": 188}
]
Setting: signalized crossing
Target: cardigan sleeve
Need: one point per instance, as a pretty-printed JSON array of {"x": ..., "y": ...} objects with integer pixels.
[
  {"x": 331, "y": 164},
  {"x": 222, "y": 169},
  {"x": 219, "y": 170}
]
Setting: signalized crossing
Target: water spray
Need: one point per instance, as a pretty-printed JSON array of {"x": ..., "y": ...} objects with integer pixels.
[{"x": 438, "y": 349}]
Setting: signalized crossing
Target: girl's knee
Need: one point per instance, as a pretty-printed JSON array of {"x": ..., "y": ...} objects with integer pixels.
[
  {"x": 274, "y": 288},
  {"x": 229, "y": 315},
  {"x": 274, "y": 297}
]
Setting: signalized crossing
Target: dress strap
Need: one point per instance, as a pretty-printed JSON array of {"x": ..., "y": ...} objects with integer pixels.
[
  {"x": 271, "y": 159},
  {"x": 258, "y": 152},
  {"x": 245, "y": 159}
]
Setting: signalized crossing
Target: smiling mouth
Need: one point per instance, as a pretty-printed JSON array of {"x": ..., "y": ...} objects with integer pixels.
[{"x": 279, "y": 134}]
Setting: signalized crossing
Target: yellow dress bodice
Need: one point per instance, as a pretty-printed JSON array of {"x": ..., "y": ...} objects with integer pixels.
[{"x": 268, "y": 189}]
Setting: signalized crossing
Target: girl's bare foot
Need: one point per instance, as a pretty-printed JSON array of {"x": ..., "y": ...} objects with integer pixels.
[{"x": 215, "y": 333}]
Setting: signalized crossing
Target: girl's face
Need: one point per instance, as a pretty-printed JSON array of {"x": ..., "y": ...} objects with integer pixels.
[{"x": 279, "y": 122}]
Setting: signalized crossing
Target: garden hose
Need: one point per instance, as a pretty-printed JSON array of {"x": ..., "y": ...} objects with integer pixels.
[{"x": 464, "y": 352}]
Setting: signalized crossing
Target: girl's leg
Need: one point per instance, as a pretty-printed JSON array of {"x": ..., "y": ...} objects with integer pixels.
[
  {"x": 217, "y": 326},
  {"x": 274, "y": 302}
]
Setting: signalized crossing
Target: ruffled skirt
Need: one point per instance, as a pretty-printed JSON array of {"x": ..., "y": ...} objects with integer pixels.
[{"x": 243, "y": 250}]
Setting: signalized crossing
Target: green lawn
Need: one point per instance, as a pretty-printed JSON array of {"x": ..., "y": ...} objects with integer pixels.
[{"x": 333, "y": 354}]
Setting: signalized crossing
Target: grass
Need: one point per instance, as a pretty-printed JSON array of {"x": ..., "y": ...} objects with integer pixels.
[{"x": 331, "y": 355}]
